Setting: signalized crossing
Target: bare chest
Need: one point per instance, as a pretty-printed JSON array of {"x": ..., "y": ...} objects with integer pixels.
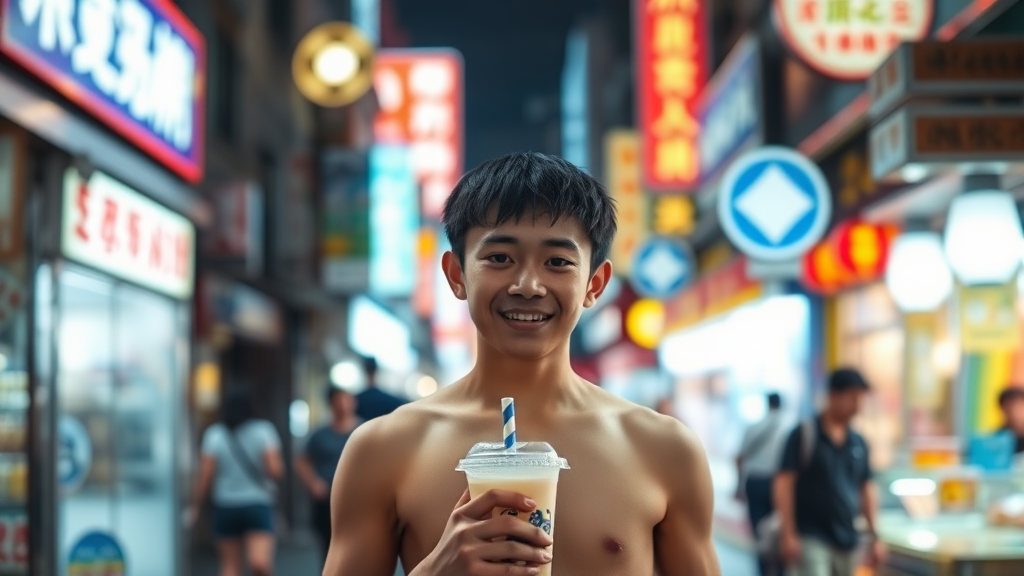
[{"x": 608, "y": 505}]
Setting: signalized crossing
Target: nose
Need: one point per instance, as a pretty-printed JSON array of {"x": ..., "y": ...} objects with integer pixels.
[{"x": 528, "y": 284}]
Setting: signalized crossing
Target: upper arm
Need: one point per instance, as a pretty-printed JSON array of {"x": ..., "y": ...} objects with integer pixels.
[
  {"x": 207, "y": 466},
  {"x": 272, "y": 451},
  {"x": 683, "y": 544},
  {"x": 364, "y": 521},
  {"x": 791, "y": 460}
]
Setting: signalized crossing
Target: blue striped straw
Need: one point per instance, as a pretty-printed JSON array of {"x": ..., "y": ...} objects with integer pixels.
[{"x": 508, "y": 416}]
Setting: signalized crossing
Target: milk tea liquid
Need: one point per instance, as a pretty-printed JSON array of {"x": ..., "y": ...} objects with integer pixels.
[{"x": 540, "y": 490}]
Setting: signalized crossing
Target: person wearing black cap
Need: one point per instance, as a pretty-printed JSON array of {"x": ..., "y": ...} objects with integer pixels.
[
  {"x": 374, "y": 402},
  {"x": 824, "y": 483},
  {"x": 1011, "y": 402},
  {"x": 316, "y": 464}
]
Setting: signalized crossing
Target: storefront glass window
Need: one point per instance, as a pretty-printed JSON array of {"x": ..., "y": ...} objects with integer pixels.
[{"x": 118, "y": 387}]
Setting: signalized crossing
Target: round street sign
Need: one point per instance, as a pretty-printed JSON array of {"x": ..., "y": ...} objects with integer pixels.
[
  {"x": 662, "y": 267},
  {"x": 774, "y": 204}
]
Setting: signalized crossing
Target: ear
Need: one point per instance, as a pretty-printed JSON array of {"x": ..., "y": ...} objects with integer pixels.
[
  {"x": 598, "y": 282},
  {"x": 453, "y": 272}
]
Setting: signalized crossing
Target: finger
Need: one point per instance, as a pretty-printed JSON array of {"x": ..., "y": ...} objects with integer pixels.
[
  {"x": 480, "y": 508},
  {"x": 463, "y": 500},
  {"x": 501, "y": 569},
  {"x": 510, "y": 551},
  {"x": 510, "y": 526}
]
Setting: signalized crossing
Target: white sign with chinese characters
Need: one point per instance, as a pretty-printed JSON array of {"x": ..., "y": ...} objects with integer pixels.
[
  {"x": 849, "y": 39},
  {"x": 109, "y": 226}
]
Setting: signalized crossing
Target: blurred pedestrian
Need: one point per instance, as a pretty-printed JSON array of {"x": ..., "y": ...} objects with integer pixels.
[
  {"x": 316, "y": 464},
  {"x": 665, "y": 407},
  {"x": 824, "y": 483},
  {"x": 241, "y": 459},
  {"x": 374, "y": 402},
  {"x": 1011, "y": 402},
  {"x": 756, "y": 465}
]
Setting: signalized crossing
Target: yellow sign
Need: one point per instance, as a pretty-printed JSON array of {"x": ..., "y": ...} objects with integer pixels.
[
  {"x": 958, "y": 494},
  {"x": 988, "y": 318},
  {"x": 622, "y": 158},
  {"x": 673, "y": 216},
  {"x": 645, "y": 323}
]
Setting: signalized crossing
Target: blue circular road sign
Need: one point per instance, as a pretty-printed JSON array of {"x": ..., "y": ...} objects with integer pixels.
[
  {"x": 662, "y": 267},
  {"x": 774, "y": 204}
]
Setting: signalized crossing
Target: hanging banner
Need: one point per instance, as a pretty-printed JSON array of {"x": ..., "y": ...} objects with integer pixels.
[
  {"x": 672, "y": 55},
  {"x": 622, "y": 160},
  {"x": 988, "y": 318},
  {"x": 849, "y": 39},
  {"x": 139, "y": 66}
]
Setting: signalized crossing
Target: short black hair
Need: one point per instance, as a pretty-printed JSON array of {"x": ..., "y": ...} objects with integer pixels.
[
  {"x": 237, "y": 408},
  {"x": 845, "y": 379},
  {"x": 774, "y": 401},
  {"x": 540, "y": 183},
  {"x": 370, "y": 366},
  {"x": 1010, "y": 394}
]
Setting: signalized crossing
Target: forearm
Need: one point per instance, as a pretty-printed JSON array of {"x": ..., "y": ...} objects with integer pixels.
[
  {"x": 869, "y": 499},
  {"x": 782, "y": 497},
  {"x": 306, "y": 473}
]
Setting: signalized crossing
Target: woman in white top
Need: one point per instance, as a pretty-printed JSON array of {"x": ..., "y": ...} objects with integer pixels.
[{"x": 241, "y": 459}]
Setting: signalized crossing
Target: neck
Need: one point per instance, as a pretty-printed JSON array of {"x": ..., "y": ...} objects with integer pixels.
[
  {"x": 344, "y": 423},
  {"x": 540, "y": 386},
  {"x": 832, "y": 420}
]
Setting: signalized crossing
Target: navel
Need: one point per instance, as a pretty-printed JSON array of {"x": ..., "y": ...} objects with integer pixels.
[{"x": 614, "y": 546}]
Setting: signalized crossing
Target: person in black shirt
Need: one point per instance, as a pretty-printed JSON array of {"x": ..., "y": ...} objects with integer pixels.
[
  {"x": 1011, "y": 401},
  {"x": 316, "y": 464},
  {"x": 374, "y": 402},
  {"x": 824, "y": 482}
]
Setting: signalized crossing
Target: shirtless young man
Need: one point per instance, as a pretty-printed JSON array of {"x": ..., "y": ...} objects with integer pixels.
[{"x": 530, "y": 235}]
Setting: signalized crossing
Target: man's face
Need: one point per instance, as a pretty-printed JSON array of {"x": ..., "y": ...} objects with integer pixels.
[
  {"x": 343, "y": 404},
  {"x": 527, "y": 283},
  {"x": 846, "y": 404},
  {"x": 1013, "y": 410}
]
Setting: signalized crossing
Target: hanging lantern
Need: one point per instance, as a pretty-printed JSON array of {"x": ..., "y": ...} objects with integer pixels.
[
  {"x": 864, "y": 248},
  {"x": 917, "y": 275},
  {"x": 854, "y": 253},
  {"x": 984, "y": 240}
]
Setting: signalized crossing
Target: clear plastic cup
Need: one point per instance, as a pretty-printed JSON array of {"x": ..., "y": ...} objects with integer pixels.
[{"x": 531, "y": 469}]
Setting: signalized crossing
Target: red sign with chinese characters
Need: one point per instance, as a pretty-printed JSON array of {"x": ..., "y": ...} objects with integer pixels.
[
  {"x": 420, "y": 97},
  {"x": 849, "y": 39},
  {"x": 672, "y": 71}
]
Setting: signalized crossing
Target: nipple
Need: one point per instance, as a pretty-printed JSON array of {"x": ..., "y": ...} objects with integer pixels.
[{"x": 614, "y": 545}]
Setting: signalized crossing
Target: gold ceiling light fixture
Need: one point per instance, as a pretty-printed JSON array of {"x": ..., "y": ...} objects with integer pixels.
[{"x": 333, "y": 64}]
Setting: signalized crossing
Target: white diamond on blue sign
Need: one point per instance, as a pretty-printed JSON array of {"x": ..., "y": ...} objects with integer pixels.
[
  {"x": 774, "y": 204},
  {"x": 662, "y": 268}
]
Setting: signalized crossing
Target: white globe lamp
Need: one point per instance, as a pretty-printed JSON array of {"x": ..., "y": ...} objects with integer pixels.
[
  {"x": 917, "y": 275},
  {"x": 984, "y": 241}
]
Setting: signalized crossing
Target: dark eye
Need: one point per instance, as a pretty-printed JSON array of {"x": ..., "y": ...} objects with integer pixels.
[
  {"x": 498, "y": 258},
  {"x": 559, "y": 262}
]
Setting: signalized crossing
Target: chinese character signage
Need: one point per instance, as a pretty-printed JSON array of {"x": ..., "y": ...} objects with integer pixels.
[
  {"x": 672, "y": 70},
  {"x": 622, "y": 161},
  {"x": 137, "y": 65},
  {"x": 849, "y": 39},
  {"x": 420, "y": 97},
  {"x": 115, "y": 229}
]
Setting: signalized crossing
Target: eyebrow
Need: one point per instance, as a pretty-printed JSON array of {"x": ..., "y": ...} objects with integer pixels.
[{"x": 565, "y": 243}]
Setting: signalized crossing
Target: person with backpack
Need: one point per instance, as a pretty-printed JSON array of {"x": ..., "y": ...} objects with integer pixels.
[
  {"x": 241, "y": 459},
  {"x": 756, "y": 464},
  {"x": 824, "y": 483}
]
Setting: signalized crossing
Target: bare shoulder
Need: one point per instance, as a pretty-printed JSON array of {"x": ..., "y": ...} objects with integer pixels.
[
  {"x": 664, "y": 442},
  {"x": 382, "y": 444}
]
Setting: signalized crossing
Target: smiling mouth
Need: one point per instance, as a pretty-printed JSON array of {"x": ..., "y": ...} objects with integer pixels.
[{"x": 520, "y": 317}]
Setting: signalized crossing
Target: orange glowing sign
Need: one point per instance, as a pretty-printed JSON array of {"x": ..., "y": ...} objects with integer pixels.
[
  {"x": 855, "y": 253},
  {"x": 420, "y": 98},
  {"x": 672, "y": 71}
]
